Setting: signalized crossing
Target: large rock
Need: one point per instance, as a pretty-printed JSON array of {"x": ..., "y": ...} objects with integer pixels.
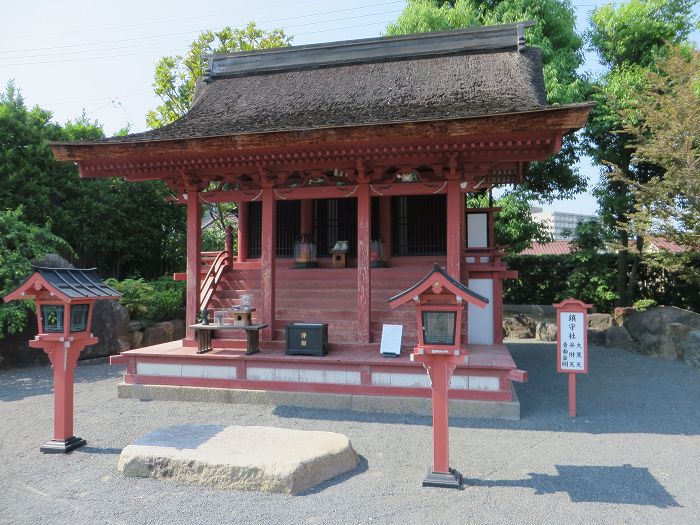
[
  {"x": 178, "y": 328},
  {"x": 661, "y": 331},
  {"x": 599, "y": 321},
  {"x": 596, "y": 336},
  {"x": 240, "y": 458},
  {"x": 691, "y": 349},
  {"x": 519, "y": 326},
  {"x": 158, "y": 333},
  {"x": 546, "y": 331},
  {"x": 110, "y": 324},
  {"x": 620, "y": 314},
  {"x": 619, "y": 337}
]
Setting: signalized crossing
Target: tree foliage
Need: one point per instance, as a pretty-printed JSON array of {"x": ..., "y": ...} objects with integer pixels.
[
  {"x": 629, "y": 39},
  {"x": 20, "y": 243},
  {"x": 513, "y": 225},
  {"x": 664, "y": 125},
  {"x": 562, "y": 55},
  {"x": 176, "y": 76},
  {"x": 122, "y": 228}
]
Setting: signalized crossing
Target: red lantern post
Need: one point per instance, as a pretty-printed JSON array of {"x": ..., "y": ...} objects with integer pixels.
[
  {"x": 64, "y": 300},
  {"x": 439, "y": 301}
]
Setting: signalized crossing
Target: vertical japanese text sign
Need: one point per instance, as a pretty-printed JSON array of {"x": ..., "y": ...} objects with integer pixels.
[{"x": 572, "y": 343}]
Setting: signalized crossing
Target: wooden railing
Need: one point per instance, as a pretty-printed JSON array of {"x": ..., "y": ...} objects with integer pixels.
[{"x": 219, "y": 265}]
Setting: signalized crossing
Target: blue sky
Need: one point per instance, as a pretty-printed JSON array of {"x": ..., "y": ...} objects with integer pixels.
[{"x": 71, "y": 55}]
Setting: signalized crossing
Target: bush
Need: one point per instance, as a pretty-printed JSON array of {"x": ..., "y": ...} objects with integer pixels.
[
  {"x": 151, "y": 301},
  {"x": 645, "y": 304}
]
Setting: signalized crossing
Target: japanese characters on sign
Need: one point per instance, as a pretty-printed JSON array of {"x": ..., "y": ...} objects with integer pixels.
[{"x": 572, "y": 343}]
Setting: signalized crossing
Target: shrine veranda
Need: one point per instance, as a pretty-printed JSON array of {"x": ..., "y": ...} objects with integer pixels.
[{"x": 376, "y": 142}]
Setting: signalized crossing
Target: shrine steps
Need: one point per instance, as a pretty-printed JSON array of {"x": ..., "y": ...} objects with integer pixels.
[{"x": 323, "y": 295}]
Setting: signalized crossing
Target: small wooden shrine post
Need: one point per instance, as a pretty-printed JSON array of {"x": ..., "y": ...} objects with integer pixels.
[
  {"x": 64, "y": 300},
  {"x": 439, "y": 301},
  {"x": 572, "y": 343}
]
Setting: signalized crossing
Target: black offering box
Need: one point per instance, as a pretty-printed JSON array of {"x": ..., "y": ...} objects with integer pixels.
[{"x": 306, "y": 339}]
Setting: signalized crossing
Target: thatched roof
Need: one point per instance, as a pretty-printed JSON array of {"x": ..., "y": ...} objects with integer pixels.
[{"x": 435, "y": 76}]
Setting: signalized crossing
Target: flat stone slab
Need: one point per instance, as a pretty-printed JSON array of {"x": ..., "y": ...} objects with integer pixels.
[{"x": 240, "y": 458}]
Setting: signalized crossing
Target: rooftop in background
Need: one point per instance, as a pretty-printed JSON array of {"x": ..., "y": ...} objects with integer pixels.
[{"x": 548, "y": 248}]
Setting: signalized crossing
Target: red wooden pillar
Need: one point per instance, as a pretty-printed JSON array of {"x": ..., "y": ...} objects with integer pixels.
[
  {"x": 385, "y": 225},
  {"x": 455, "y": 232},
  {"x": 194, "y": 263},
  {"x": 267, "y": 273},
  {"x": 364, "y": 302},
  {"x": 498, "y": 309},
  {"x": 242, "y": 231},
  {"x": 306, "y": 217}
]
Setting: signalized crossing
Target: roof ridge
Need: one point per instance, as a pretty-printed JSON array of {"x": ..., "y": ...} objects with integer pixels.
[{"x": 480, "y": 39}]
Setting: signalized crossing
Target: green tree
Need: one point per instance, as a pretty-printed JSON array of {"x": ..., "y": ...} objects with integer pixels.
[
  {"x": 664, "y": 125},
  {"x": 629, "y": 39},
  {"x": 20, "y": 243},
  {"x": 554, "y": 34},
  {"x": 176, "y": 76},
  {"x": 102, "y": 219}
]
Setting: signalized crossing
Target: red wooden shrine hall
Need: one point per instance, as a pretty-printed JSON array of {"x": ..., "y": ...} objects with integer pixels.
[{"x": 370, "y": 146}]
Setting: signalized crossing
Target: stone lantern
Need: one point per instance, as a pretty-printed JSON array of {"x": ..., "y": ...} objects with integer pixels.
[
  {"x": 439, "y": 300},
  {"x": 64, "y": 300}
]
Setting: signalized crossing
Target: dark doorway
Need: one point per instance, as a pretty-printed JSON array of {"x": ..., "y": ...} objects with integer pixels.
[
  {"x": 419, "y": 225},
  {"x": 288, "y": 227}
]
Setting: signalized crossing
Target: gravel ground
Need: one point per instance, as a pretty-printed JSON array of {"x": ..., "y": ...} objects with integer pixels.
[{"x": 632, "y": 455}]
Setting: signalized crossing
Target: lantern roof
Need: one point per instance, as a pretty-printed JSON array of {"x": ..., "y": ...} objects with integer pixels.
[
  {"x": 66, "y": 283},
  {"x": 438, "y": 274}
]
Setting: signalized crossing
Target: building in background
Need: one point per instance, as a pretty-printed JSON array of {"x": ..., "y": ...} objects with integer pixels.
[{"x": 560, "y": 224}]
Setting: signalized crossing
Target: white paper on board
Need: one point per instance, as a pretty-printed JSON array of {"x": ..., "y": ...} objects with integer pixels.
[{"x": 391, "y": 339}]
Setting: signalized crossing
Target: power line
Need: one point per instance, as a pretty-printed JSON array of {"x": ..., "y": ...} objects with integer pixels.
[
  {"x": 274, "y": 20},
  {"x": 66, "y": 53},
  {"x": 81, "y": 59}
]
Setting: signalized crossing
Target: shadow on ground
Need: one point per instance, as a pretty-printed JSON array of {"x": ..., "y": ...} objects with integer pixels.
[
  {"x": 623, "y": 393},
  {"x": 19, "y": 383},
  {"x": 618, "y": 485}
]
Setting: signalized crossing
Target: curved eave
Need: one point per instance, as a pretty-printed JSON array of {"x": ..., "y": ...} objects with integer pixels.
[{"x": 560, "y": 119}]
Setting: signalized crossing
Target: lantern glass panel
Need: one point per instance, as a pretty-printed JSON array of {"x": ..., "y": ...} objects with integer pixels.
[
  {"x": 439, "y": 328},
  {"x": 52, "y": 317},
  {"x": 78, "y": 317}
]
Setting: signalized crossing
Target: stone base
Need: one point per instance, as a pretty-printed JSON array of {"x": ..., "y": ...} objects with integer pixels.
[
  {"x": 240, "y": 458},
  {"x": 453, "y": 480},
  {"x": 62, "y": 446},
  {"x": 420, "y": 406}
]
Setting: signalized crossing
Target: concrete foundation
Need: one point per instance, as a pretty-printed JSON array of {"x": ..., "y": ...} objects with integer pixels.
[{"x": 358, "y": 403}]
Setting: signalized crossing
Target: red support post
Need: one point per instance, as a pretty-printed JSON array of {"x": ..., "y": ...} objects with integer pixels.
[
  {"x": 242, "y": 232},
  {"x": 497, "y": 310},
  {"x": 306, "y": 217},
  {"x": 385, "y": 225},
  {"x": 267, "y": 274},
  {"x": 455, "y": 234},
  {"x": 194, "y": 263},
  {"x": 364, "y": 221},
  {"x": 572, "y": 395},
  {"x": 228, "y": 245}
]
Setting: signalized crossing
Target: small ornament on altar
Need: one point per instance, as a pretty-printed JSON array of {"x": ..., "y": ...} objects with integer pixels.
[
  {"x": 205, "y": 317},
  {"x": 304, "y": 252}
]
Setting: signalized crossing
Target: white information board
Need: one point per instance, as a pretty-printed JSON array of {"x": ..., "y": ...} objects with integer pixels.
[
  {"x": 572, "y": 342},
  {"x": 391, "y": 339}
]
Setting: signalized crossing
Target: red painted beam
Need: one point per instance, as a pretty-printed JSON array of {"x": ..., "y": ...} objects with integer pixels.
[
  {"x": 364, "y": 221},
  {"x": 242, "y": 232},
  {"x": 267, "y": 273},
  {"x": 455, "y": 235},
  {"x": 194, "y": 265}
]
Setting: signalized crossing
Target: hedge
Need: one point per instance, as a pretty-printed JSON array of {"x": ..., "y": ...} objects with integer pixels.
[{"x": 546, "y": 279}]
